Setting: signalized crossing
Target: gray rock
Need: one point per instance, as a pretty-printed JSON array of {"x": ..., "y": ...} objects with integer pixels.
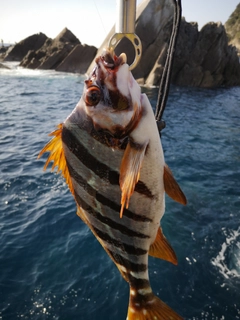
[
  {"x": 52, "y": 53},
  {"x": 78, "y": 59},
  {"x": 208, "y": 61},
  {"x": 202, "y": 58},
  {"x": 54, "y": 58},
  {"x": 30, "y": 60},
  {"x": 18, "y": 51},
  {"x": 233, "y": 28}
]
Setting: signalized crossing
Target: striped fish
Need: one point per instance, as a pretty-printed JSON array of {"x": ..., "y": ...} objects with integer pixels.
[{"x": 109, "y": 151}]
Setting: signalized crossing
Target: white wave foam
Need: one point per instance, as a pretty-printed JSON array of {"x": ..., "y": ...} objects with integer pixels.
[
  {"x": 16, "y": 70},
  {"x": 228, "y": 259}
]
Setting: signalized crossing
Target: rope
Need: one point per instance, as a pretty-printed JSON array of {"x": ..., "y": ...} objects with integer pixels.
[{"x": 165, "y": 79}]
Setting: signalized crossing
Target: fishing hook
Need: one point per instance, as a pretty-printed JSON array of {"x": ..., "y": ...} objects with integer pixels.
[
  {"x": 165, "y": 79},
  {"x": 125, "y": 28}
]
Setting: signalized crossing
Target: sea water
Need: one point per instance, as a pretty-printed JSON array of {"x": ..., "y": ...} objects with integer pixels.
[{"x": 52, "y": 267}]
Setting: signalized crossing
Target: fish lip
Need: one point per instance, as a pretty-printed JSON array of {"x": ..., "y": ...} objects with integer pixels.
[{"x": 110, "y": 60}]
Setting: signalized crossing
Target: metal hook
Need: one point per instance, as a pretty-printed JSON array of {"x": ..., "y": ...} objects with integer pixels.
[
  {"x": 125, "y": 27},
  {"x": 136, "y": 42}
]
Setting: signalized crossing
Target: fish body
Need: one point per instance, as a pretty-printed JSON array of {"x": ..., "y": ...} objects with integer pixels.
[{"x": 110, "y": 153}]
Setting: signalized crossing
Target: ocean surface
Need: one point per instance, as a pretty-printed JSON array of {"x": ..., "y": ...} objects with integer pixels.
[{"x": 52, "y": 267}]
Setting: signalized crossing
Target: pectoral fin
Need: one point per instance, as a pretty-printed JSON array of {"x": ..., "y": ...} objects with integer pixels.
[
  {"x": 172, "y": 188},
  {"x": 162, "y": 249},
  {"x": 130, "y": 171},
  {"x": 55, "y": 148}
]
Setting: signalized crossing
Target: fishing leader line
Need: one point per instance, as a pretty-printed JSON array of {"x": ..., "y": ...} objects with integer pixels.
[
  {"x": 100, "y": 17},
  {"x": 167, "y": 70}
]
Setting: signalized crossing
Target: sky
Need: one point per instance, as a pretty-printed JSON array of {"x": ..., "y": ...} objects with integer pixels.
[{"x": 89, "y": 20}]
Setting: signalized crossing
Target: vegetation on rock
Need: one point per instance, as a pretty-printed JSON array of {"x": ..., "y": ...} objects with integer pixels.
[{"x": 233, "y": 27}]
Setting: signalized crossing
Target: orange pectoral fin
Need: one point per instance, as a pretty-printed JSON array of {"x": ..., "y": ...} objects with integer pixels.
[
  {"x": 130, "y": 171},
  {"x": 172, "y": 188},
  {"x": 55, "y": 148},
  {"x": 162, "y": 249}
]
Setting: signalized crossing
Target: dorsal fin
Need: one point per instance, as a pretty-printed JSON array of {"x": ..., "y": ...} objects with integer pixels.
[
  {"x": 162, "y": 249},
  {"x": 55, "y": 148},
  {"x": 172, "y": 188}
]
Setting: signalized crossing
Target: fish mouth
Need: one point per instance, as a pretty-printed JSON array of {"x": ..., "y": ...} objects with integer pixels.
[
  {"x": 110, "y": 60},
  {"x": 102, "y": 84}
]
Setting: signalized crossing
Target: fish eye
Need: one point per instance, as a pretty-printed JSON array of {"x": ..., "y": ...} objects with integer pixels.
[{"x": 93, "y": 96}]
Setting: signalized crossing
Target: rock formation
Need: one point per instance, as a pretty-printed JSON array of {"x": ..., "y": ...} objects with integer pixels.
[
  {"x": 233, "y": 28},
  {"x": 63, "y": 53},
  {"x": 52, "y": 53},
  {"x": 17, "y": 52},
  {"x": 202, "y": 58},
  {"x": 78, "y": 59}
]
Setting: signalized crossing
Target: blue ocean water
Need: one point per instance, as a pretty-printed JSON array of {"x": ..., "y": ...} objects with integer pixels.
[{"x": 52, "y": 267}]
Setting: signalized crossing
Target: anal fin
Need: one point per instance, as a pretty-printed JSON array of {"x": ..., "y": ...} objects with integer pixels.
[
  {"x": 130, "y": 171},
  {"x": 172, "y": 188},
  {"x": 162, "y": 249}
]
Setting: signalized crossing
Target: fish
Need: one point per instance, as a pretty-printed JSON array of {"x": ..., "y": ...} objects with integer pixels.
[{"x": 109, "y": 152}]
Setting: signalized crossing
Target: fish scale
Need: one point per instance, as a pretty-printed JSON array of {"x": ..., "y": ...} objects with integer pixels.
[
  {"x": 110, "y": 153},
  {"x": 135, "y": 266}
]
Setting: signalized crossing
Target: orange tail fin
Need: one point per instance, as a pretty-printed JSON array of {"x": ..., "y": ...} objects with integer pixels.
[{"x": 149, "y": 307}]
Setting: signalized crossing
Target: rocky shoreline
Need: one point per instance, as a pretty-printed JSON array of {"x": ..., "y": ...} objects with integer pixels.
[
  {"x": 63, "y": 53},
  {"x": 202, "y": 58}
]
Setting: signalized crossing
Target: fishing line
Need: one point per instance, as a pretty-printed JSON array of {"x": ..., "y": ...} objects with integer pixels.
[
  {"x": 165, "y": 79},
  {"x": 99, "y": 16}
]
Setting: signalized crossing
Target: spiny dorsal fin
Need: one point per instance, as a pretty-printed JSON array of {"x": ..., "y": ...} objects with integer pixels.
[
  {"x": 162, "y": 249},
  {"x": 172, "y": 188},
  {"x": 130, "y": 171},
  {"x": 55, "y": 148}
]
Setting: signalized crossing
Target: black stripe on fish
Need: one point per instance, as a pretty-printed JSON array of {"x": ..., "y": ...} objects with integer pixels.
[
  {"x": 107, "y": 221},
  {"x": 99, "y": 168},
  {"x": 129, "y": 249},
  {"x": 102, "y": 199},
  {"x": 129, "y": 265},
  {"x": 104, "y": 137},
  {"x": 138, "y": 283}
]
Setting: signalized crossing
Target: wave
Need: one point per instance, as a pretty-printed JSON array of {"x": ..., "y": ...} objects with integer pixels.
[
  {"x": 228, "y": 259},
  {"x": 13, "y": 69}
]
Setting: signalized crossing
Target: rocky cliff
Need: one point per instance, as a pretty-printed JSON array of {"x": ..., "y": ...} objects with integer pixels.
[
  {"x": 19, "y": 51},
  {"x": 233, "y": 28},
  {"x": 63, "y": 53},
  {"x": 202, "y": 58}
]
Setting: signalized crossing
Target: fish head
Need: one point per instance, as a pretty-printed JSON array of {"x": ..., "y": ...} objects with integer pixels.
[{"x": 111, "y": 96}]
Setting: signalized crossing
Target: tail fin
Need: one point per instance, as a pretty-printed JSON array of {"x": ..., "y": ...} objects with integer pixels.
[{"x": 149, "y": 307}]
